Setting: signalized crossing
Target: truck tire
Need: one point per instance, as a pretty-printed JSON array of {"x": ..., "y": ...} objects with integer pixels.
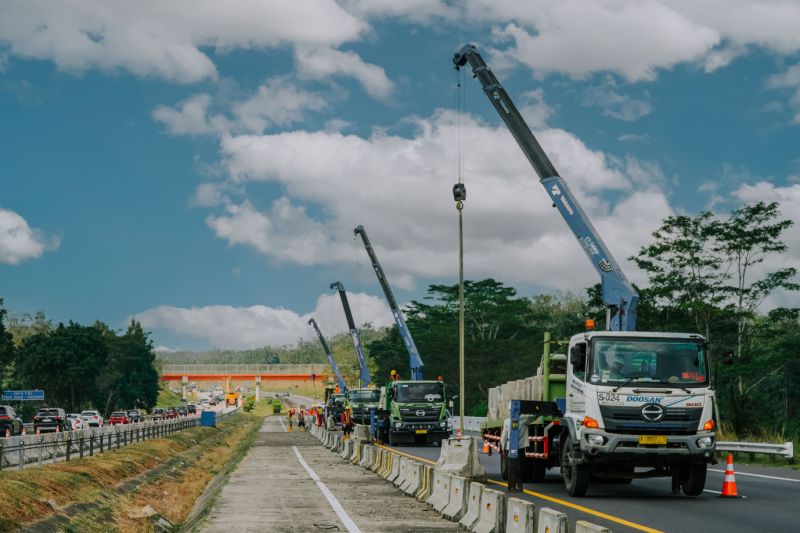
[
  {"x": 575, "y": 475},
  {"x": 392, "y": 441},
  {"x": 696, "y": 480}
]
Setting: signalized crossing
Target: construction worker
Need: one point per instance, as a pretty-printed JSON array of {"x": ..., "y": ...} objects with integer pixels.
[
  {"x": 301, "y": 419},
  {"x": 394, "y": 376},
  {"x": 291, "y": 417},
  {"x": 347, "y": 422}
]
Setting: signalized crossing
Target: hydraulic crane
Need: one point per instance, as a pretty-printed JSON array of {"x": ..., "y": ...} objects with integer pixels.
[
  {"x": 415, "y": 361},
  {"x": 619, "y": 296},
  {"x": 329, "y": 355},
  {"x": 364, "y": 375}
]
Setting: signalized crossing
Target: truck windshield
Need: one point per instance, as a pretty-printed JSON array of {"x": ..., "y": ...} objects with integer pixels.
[
  {"x": 666, "y": 362},
  {"x": 365, "y": 396},
  {"x": 419, "y": 392}
]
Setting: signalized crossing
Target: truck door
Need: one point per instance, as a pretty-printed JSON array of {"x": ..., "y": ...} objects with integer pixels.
[{"x": 576, "y": 378}]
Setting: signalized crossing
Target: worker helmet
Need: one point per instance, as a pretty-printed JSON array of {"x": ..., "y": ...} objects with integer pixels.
[{"x": 393, "y": 372}]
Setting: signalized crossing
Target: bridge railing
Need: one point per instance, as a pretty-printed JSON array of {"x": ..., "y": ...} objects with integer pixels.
[{"x": 246, "y": 369}]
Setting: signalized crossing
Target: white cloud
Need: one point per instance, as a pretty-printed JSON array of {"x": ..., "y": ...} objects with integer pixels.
[
  {"x": 20, "y": 242},
  {"x": 616, "y": 105},
  {"x": 190, "y": 119},
  {"x": 789, "y": 79},
  {"x": 633, "y": 137},
  {"x": 251, "y": 327},
  {"x": 535, "y": 110},
  {"x": 322, "y": 63},
  {"x": 166, "y": 39},
  {"x": 400, "y": 189},
  {"x": 164, "y": 349},
  {"x": 278, "y": 102}
]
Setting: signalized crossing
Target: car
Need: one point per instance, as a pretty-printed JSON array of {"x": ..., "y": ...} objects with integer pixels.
[
  {"x": 10, "y": 422},
  {"x": 118, "y": 417},
  {"x": 171, "y": 412},
  {"x": 212, "y": 403},
  {"x": 49, "y": 419},
  {"x": 159, "y": 413},
  {"x": 135, "y": 416},
  {"x": 76, "y": 422},
  {"x": 191, "y": 409},
  {"x": 182, "y": 411},
  {"x": 92, "y": 418}
]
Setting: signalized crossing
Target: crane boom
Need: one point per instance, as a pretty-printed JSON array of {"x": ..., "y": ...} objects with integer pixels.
[
  {"x": 415, "y": 361},
  {"x": 364, "y": 375},
  {"x": 619, "y": 296},
  {"x": 329, "y": 355}
]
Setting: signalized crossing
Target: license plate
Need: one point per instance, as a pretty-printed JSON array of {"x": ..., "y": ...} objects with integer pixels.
[
  {"x": 421, "y": 431},
  {"x": 652, "y": 439}
]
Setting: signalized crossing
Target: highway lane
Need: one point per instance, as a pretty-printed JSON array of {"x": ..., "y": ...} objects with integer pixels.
[{"x": 770, "y": 503}]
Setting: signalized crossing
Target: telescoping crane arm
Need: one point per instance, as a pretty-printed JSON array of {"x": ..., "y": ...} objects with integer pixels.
[
  {"x": 619, "y": 296},
  {"x": 415, "y": 361},
  {"x": 362, "y": 361},
  {"x": 329, "y": 355}
]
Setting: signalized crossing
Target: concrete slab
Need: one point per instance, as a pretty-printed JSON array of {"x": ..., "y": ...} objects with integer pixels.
[{"x": 271, "y": 491}]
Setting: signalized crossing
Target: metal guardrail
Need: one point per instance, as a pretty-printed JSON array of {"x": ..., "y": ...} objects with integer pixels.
[
  {"x": 785, "y": 450},
  {"x": 16, "y": 452},
  {"x": 246, "y": 369}
]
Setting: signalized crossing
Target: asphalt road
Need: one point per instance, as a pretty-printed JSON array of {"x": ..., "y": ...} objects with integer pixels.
[{"x": 771, "y": 501}]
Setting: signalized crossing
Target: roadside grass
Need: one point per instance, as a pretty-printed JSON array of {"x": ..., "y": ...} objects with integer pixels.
[
  {"x": 264, "y": 407},
  {"x": 301, "y": 388},
  {"x": 97, "y": 484},
  {"x": 726, "y": 434},
  {"x": 168, "y": 398}
]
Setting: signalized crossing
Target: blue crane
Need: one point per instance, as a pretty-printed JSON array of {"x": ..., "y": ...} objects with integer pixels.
[
  {"x": 364, "y": 376},
  {"x": 415, "y": 361},
  {"x": 619, "y": 296},
  {"x": 329, "y": 355}
]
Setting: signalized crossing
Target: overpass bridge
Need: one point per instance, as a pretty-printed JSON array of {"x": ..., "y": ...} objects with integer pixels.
[{"x": 253, "y": 373}]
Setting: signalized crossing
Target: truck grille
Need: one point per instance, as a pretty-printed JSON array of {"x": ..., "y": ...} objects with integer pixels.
[
  {"x": 628, "y": 420},
  {"x": 419, "y": 415}
]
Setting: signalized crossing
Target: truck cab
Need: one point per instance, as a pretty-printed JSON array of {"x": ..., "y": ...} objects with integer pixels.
[
  {"x": 416, "y": 412},
  {"x": 362, "y": 401},
  {"x": 637, "y": 399}
]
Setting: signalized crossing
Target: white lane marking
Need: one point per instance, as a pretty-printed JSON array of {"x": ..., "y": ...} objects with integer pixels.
[
  {"x": 758, "y": 475},
  {"x": 712, "y": 491},
  {"x": 280, "y": 419},
  {"x": 337, "y": 507}
]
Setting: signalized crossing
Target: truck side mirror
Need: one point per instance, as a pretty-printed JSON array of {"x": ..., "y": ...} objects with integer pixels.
[{"x": 576, "y": 354}]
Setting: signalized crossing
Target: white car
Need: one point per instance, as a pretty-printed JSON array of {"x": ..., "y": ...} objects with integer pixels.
[
  {"x": 76, "y": 421},
  {"x": 92, "y": 419}
]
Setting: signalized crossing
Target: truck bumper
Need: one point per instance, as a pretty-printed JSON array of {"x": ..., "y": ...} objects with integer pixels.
[
  {"x": 616, "y": 447},
  {"x": 419, "y": 432}
]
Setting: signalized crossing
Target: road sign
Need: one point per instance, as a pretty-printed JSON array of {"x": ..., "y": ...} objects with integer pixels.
[{"x": 23, "y": 395}]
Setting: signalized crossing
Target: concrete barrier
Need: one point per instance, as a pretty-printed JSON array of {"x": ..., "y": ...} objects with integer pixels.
[
  {"x": 361, "y": 433},
  {"x": 386, "y": 464},
  {"x": 459, "y": 457},
  {"x": 520, "y": 516},
  {"x": 551, "y": 521},
  {"x": 426, "y": 479},
  {"x": 347, "y": 450},
  {"x": 411, "y": 486},
  {"x": 441, "y": 491},
  {"x": 401, "y": 477},
  {"x": 366, "y": 456},
  {"x": 470, "y": 518},
  {"x": 492, "y": 516},
  {"x": 379, "y": 453},
  {"x": 457, "y": 504},
  {"x": 395, "y": 468},
  {"x": 581, "y": 526},
  {"x": 358, "y": 448}
]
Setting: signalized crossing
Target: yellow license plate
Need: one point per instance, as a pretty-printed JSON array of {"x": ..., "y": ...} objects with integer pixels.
[
  {"x": 423, "y": 431},
  {"x": 652, "y": 439}
]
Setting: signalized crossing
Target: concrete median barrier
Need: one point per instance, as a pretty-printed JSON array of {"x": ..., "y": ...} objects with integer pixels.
[
  {"x": 401, "y": 477},
  {"x": 457, "y": 504},
  {"x": 378, "y": 460},
  {"x": 441, "y": 491},
  {"x": 366, "y": 456},
  {"x": 424, "y": 491},
  {"x": 347, "y": 450},
  {"x": 581, "y": 526},
  {"x": 551, "y": 521},
  {"x": 395, "y": 468},
  {"x": 459, "y": 457},
  {"x": 357, "y": 448},
  {"x": 411, "y": 486},
  {"x": 470, "y": 518},
  {"x": 386, "y": 466},
  {"x": 520, "y": 516},
  {"x": 492, "y": 516}
]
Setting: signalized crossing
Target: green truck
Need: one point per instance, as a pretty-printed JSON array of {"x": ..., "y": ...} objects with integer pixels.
[
  {"x": 362, "y": 401},
  {"x": 414, "y": 412}
]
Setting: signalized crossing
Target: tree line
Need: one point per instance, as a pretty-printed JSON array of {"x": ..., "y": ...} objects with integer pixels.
[{"x": 78, "y": 367}]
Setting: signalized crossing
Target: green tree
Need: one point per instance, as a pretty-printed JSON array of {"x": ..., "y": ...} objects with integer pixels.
[{"x": 7, "y": 348}]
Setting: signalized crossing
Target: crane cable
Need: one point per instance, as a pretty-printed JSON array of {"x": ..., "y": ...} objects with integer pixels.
[{"x": 459, "y": 195}]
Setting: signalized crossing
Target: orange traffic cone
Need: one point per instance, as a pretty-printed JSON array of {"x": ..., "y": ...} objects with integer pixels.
[
  {"x": 729, "y": 484},
  {"x": 486, "y": 447}
]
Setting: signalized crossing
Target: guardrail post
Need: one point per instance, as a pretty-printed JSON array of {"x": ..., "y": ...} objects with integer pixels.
[
  {"x": 80, "y": 446},
  {"x": 91, "y": 445},
  {"x": 41, "y": 450},
  {"x": 21, "y": 454},
  {"x": 69, "y": 446}
]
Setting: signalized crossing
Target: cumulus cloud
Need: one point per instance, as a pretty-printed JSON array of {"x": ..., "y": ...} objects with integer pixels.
[
  {"x": 166, "y": 39},
  {"x": 277, "y": 102},
  {"x": 789, "y": 80},
  {"x": 322, "y": 63},
  {"x": 615, "y": 104},
  {"x": 251, "y": 327},
  {"x": 20, "y": 242},
  {"x": 400, "y": 189}
]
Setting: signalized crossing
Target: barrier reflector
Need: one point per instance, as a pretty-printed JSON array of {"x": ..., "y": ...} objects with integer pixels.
[
  {"x": 520, "y": 516},
  {"x": 470, "y": 518},
  {"x": 457, "y": 504},
  {"x": 551, "y": 521},
  {"x": 492, "y": 516}
]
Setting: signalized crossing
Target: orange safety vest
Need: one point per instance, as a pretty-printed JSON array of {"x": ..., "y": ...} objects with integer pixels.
[{"x": 346, "y": 420}]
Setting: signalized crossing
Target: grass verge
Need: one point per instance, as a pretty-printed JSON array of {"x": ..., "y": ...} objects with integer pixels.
[{"x": 123, "y": 489}]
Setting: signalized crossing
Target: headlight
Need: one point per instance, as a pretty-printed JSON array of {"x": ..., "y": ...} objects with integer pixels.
[
  {"x": 596, "y": 440},
  {"x": 705, "y": 442},
  {"x": 443, "y": 424},
  {"x": 398, "y": 425}
]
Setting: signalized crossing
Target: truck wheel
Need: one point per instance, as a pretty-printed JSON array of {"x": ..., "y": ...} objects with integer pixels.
[
  {"x": 576, "y": 475},
  {"x": 696, "y": 481},
  {"x": 503, "y": 466}
]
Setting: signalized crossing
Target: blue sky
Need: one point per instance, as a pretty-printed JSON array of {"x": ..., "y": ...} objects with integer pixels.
[{"x": 201, "y": 165}]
